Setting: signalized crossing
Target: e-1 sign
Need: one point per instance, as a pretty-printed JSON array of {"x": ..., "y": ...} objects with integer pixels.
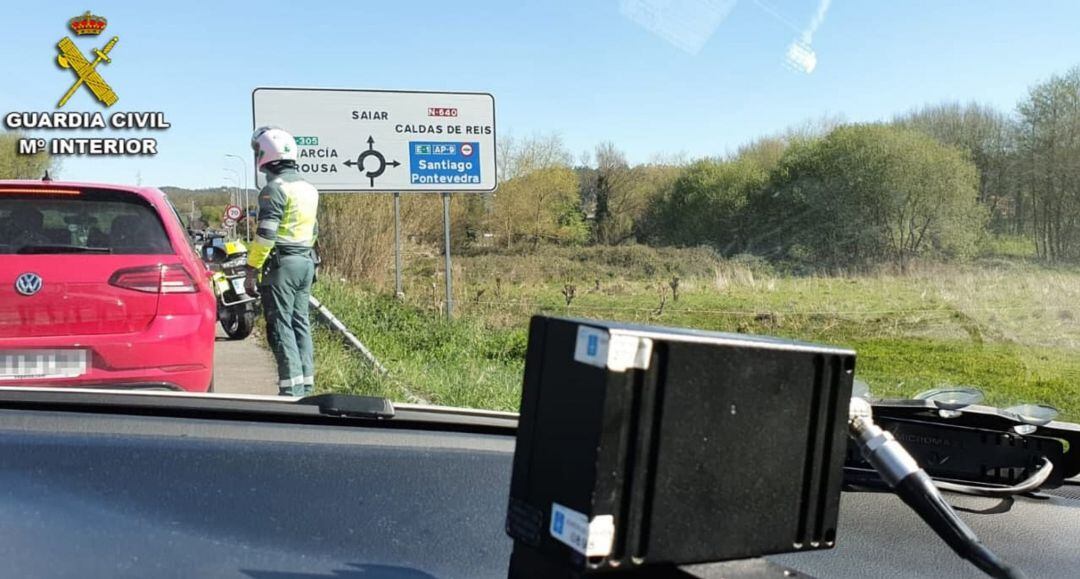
[{"x": 369, "y": 140}]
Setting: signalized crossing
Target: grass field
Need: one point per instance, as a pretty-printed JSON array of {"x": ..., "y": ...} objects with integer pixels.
[{"x": 1005, "y": 325}]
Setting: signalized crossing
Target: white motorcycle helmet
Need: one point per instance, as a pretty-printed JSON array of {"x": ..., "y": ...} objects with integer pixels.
[{"x": 272, "y": 144}]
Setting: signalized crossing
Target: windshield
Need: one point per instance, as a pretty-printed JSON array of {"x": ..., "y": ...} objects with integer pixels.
[
  {"x": 896, "y": 180},
  {"x": 91, "y": 222}
]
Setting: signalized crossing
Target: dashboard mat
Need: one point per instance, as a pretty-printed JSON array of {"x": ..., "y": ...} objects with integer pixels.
[{"x": 93, "y": 495}]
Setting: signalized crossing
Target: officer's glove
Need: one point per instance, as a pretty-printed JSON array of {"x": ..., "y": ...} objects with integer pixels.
[{"x": 251, "y": 280}]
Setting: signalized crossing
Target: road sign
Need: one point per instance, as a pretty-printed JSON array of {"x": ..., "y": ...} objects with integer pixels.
[
  {"x": 233, "y": 212},
  {"x": 370, "y": 141},
  {"x": 228, "y": 222}
]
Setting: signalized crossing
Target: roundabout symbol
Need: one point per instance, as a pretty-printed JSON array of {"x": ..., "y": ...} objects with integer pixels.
[{"x": 371, "y": 152}]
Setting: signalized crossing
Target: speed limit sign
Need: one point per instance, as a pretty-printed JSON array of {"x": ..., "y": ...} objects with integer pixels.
[
  {"x": 233, "y": 212},
  {"x": 228, "y": 222}
]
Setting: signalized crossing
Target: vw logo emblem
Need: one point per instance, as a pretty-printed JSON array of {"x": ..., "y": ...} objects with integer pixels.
[{"x": 28, "y": 284}]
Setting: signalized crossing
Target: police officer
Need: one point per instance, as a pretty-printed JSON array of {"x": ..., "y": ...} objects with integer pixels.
[{"x": 282, "y": 258}]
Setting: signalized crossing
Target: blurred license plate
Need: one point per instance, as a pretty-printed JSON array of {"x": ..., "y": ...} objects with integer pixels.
[
  {"x": 15, "y": 364},
  {"x": 238, "y": 285}
]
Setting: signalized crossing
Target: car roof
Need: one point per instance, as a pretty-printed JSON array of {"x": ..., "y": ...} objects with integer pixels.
[{"x": 149, "y": 193}]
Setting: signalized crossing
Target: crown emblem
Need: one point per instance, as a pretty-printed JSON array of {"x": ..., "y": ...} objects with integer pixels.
[{"x": 88, "y": 24}]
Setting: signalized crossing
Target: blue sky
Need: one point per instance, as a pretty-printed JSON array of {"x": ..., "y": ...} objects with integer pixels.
[{"x": 580, "y": 68}]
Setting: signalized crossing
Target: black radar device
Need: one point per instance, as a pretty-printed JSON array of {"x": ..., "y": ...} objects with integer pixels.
[{"x": 640, "y": 449}]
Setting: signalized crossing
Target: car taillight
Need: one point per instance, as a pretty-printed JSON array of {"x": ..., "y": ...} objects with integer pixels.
[
  {"x": 167, "y": 279},
  {"x": 176, "y": 280},
  {"x": 141, "y": 279}
]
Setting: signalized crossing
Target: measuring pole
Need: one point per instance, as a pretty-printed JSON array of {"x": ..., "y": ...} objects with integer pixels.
[
  {"x": 340, "y": 327},
  {"x": 397, "y": 246},
  {"x": 446, "y": 245}
]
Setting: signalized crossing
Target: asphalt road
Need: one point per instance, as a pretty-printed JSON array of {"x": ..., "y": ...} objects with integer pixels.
[{"x": 243, "y": 366}]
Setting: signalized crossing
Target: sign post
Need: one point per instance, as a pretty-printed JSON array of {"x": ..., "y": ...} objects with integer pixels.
[
  {"x": 446, "y": 250},
  {"x": 230, "y": 217},
  {"x": 368, "y": 141},
  {"x": 398, "y": 291}
]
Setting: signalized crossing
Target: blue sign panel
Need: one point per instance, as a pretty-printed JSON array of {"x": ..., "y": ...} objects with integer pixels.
[{"x": 443, "y": 163}]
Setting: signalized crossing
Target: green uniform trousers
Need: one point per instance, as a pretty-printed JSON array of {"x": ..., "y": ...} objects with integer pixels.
[{"x": 285, "y": 289}]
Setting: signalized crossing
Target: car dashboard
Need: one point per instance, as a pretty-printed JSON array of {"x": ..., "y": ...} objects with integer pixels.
[{"x": 100, "y": 491}]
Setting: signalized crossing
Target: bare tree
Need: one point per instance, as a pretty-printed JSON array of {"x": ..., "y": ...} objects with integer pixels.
[
  {"x": 1049, "y": 145},
  {"x": 537, "y": 198},
  {"x": 988, "y": 136}
]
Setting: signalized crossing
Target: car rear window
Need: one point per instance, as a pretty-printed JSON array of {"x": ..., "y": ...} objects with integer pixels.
[{"x": 92, "y": 221}]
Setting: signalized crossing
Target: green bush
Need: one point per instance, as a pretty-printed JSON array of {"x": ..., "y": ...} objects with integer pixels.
[
  {"x": 866, "y": 195},
  {"x": 16, "y": 166}
]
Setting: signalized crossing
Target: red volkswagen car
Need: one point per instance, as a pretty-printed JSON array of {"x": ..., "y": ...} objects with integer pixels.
[{"x": 99, "y": 286}]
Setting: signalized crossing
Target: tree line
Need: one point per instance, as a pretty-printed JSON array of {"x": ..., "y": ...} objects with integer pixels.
[
  {"x": 930, "y": 183},
  {"x": 934, "y": 182}
]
